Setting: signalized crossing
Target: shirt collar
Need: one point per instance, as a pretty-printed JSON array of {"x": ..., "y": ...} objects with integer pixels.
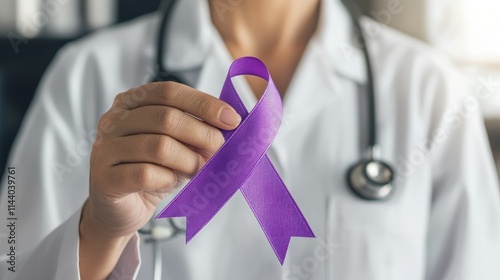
[
  {"x": 189, "y": 35},
  {"x": 190, "y": 38}
]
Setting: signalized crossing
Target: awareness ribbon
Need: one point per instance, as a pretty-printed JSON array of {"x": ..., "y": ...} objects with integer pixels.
[{"x": 241, "y": 163}]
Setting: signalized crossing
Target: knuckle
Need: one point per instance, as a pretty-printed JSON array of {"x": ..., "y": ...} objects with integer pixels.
[
  {"x": 136, "y": 96},
  {"x": 144, "y": 176},
  {"x": 172, "y": 179},
  {"x": 105, "y": 124},
  {"x": 213, "y": 138},
  {"x": 167, "y": 86},
  {"x": 102, "y": 121},
  {"x": 192, "y": 164},
  {"x": 203, "y": 107},
  {"x": 168, "y": 90},
  {"x": 169, "y": 119},
  {"x": 163, "y": 147},
  {"x": 196, "y": 165},
  {"x": 120, "y": 98}
]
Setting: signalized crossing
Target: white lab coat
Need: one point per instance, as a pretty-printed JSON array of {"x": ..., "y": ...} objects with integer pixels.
[{"x": 443, "y": 222}]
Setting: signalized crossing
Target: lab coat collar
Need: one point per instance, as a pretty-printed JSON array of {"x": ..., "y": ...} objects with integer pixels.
[{"x": 334, "y": 34}]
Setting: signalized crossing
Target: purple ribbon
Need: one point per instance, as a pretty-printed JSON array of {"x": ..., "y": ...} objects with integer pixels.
[{"x": 241, "y": 163}]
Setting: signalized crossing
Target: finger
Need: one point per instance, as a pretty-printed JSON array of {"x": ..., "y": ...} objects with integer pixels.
[
  {"x": 201, "y": 105},
  {"x": 156, "y": 149},
  {"x": 175, "y": 123},
  {"x": 136, "y": 177}
]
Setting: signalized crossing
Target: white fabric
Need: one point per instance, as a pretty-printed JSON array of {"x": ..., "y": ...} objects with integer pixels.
[{"x": 442, "y": 222}]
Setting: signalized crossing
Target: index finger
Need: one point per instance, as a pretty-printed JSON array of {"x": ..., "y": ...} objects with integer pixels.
[{"x": 199, "y": 104}]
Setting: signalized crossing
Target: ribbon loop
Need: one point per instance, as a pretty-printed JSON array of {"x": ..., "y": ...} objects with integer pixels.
[{"x": 242, "y": 163}]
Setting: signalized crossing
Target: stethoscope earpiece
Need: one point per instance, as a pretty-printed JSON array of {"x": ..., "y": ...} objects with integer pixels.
[{"x": 371, "y": 179}]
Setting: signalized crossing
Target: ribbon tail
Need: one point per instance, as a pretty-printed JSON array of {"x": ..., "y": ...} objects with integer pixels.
[
  {"x": 194, "y": 209},
  {"x": 274, "y": 208}
]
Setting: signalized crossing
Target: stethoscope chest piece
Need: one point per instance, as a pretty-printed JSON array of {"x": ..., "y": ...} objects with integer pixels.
[{"x": 371, "y": 179}]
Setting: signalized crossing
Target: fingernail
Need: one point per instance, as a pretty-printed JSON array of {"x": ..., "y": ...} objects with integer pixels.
[{"x": 230, "y": 117}]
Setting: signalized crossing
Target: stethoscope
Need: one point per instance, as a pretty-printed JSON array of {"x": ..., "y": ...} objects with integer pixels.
[{"x": 370, "y": 178}]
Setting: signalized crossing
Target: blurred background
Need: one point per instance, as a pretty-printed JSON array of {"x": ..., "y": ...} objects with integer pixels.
[{"x": 31, "y": 32}]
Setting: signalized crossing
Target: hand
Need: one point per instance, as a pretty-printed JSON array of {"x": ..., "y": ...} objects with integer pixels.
[{"x": 152, "y": 138}]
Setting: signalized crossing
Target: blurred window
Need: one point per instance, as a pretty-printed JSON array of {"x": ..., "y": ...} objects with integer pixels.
[
  {"x": 55, "y": 18},
  {"x": 466, "y": 30}
]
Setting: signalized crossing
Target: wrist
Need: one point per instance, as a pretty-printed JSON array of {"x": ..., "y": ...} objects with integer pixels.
[
  {"x": 92, "y": 228},
  {"x": 99, "y": 250}
]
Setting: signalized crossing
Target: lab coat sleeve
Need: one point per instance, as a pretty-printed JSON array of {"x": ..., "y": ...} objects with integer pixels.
[
  {"x": 464, "y": 226},
  {"x": 51, "y": 157}
]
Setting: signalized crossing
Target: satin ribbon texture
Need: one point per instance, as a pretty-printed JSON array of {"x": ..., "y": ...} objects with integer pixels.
[{"x": 242, "y": 164}]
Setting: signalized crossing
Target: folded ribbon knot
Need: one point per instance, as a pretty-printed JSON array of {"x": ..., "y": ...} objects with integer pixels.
[{"x": 241, "y": 163}]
